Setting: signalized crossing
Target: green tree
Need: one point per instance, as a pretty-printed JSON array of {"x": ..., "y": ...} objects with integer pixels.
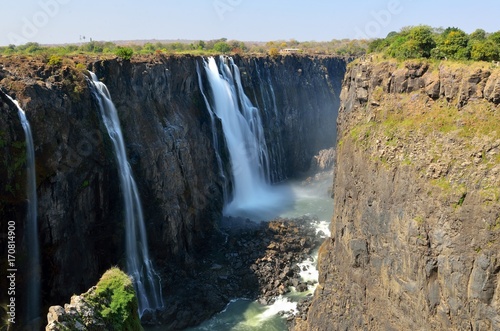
[
  {"x": 200, "y": 45},
  {"x": 148, "y": 48},
  {"x": 495, "y": 37},
  {"x": 485, "y": 50},
  {"x": 453, "y": 44},
  {"x": 396, "y": 48},
  {"x": 378, "y": 45},
  {"x": 409, "y": 43},
  {"x": 222, "y": 47},
  {"x": 93, "y": 46},
  {"x": 124, "y": 52},
  {"x": 30, "y": 47},
  {"x": 479, "y": 34},
  {"x": 420, "y": 41},
  {"x": 391, "y": 34}
]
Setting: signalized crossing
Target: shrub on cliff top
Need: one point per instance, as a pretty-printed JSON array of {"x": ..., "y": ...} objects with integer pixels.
[
  {"x": 222, "y": 47},
  {"x": 55, "y": 61},
  {"x": 452, "y": 43},
  {"x": 115, "y": 300},
  {"x": 484, "y": 51},
  {"x": 124, "y": 52}
]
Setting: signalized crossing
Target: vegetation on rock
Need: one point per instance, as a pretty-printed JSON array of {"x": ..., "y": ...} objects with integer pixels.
[
  {"x": 451, "y": 43},
  {"x": 116, "y": 301},
  {"x": 110, "y": 305},
  {"x": 409, "y": 134}
]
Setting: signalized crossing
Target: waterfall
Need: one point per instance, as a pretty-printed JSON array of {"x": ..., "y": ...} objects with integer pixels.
[
  {"x": 271, "y": 109},
  {"x": 33, "y": 250},
  {"x": 252, "y": 194},
  {"x": 139, "y": 266},
  {"x": 215, "y": 139}
]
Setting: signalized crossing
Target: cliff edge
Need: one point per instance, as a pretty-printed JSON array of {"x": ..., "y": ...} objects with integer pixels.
[{"x": 416, "y": 229}]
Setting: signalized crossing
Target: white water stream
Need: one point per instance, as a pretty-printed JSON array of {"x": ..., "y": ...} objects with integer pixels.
[
  {"x": 139, "y": 267},
  {"x": 254, "y": 197},
  {"x": 33, "y": 302}
]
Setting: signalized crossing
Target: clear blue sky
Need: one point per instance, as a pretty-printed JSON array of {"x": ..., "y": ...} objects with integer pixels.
[{"x": 64, "y": 21}]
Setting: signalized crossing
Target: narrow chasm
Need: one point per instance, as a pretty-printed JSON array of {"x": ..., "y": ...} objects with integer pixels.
[{"x": 206, "y": 180}]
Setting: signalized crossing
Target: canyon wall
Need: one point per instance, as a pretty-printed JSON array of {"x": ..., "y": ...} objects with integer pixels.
[
  {"x": 167, "y": 131},
  {"x": 416, "y": 229}
]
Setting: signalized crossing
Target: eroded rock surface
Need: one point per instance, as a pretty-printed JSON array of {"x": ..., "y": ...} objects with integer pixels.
[{"x": 415, "y": 233}]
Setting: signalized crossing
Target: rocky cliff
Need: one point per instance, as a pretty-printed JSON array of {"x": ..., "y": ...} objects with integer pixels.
[
  {"x": 416, "y": 228},
  {"x": 110, "y": 305},
  {"x": 168, "y": 137}
]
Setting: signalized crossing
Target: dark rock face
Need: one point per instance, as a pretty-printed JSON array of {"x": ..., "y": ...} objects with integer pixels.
[
  {"x": 167, "y": 130},
  {"x": 304, "y": 103},
  {"x": 76, "y": 189},
  {"x": 169, "y": 145},
  {"x": 414, "y": 238}
]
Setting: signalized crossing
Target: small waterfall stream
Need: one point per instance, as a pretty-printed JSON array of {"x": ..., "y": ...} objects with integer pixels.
[
  {"x": 139, "y": 266},
  {"x": 277, "y": 152},
  {"x": 33, "y": 311}
]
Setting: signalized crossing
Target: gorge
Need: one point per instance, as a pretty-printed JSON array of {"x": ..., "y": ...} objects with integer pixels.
[
  {"x": 415, "y": 232},
  {"x": 171, "y": 148}
]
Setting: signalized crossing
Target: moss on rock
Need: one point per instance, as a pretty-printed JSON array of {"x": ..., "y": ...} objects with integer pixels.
[{"x": 110, "y": 305}]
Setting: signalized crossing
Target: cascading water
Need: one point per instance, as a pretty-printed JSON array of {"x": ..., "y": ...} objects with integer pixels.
[
  {"x": 139, "y": 266},
  {"x": 252, "y": 194},
  {"x": 269, "y": 106},
  {"x": 33, "y": 312},
  {"x": 215, "y": 138}
]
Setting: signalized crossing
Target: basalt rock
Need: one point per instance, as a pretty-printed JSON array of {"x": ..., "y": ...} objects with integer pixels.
[
  {"x": 415, "y": 237},
  {"x": 167, "y": 131}
]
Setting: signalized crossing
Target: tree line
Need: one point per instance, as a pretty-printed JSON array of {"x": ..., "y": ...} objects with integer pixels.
[
  {"x": 420, "y": 41},
  {"x": 344, "y": 47},
  {"x": 451, "y": 43}
]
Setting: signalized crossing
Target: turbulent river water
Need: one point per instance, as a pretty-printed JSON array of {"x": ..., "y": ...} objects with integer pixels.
[{"x": 310, "y": 198}]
